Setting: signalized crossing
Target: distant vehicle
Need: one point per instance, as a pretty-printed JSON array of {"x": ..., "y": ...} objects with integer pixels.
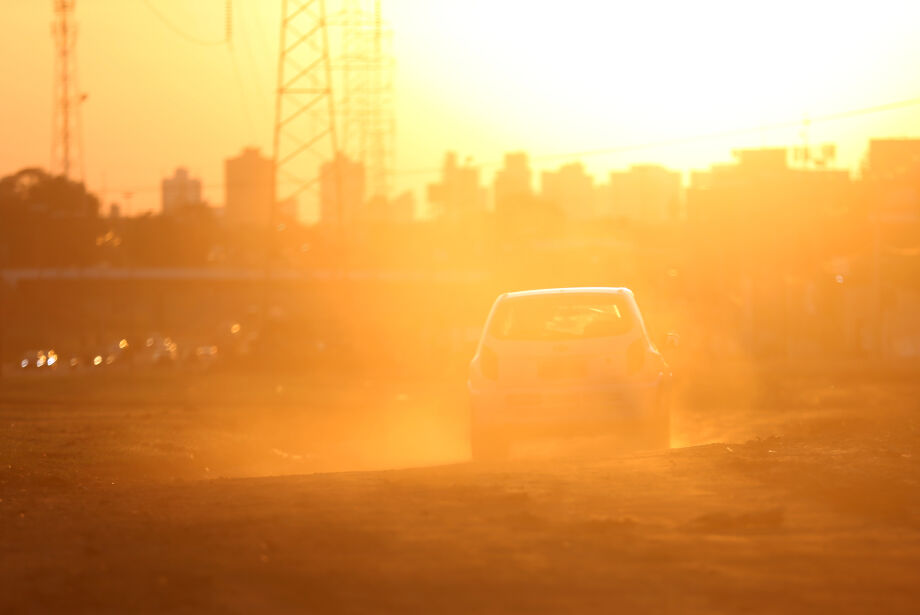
[
  {"x": 32, "y": 359},
  {"x": 566, "y": 361},
  {"x": 203, "y": 356},
  {"x": 159, "y": 351},
  {"x": 114, "y": 353}
]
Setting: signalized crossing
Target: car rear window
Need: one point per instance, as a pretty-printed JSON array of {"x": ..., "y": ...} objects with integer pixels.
[{"x": 562, "y": 316}]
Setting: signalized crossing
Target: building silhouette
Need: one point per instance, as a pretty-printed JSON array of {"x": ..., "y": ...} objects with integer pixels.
[
  {"x": 248, "y": 188},
  {"x": 762, "y": 199},
  {"x": 892, "y": 157},
  {"x": 891, "y": 206},
  {"x": 643, "y": 193},
  {"x": 892, "y": 175},
  {"x": 401, "y": 209},
  {"x": 398, "y": 210},
  {"x": 778, "y": 236},
  {"x": 512, "y": 184},
  {"x": 341, "y": 191},
  {"x": 458, "y": 194},
  {"x": 571, "y": 190},
  {"x": 179, "y": 190}
]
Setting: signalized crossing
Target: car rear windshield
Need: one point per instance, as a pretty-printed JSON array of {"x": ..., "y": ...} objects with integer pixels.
[{"x": 562, "y": 316}]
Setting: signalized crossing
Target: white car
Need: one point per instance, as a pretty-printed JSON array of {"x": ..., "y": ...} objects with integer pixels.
[{"x": 566, "y": 361}]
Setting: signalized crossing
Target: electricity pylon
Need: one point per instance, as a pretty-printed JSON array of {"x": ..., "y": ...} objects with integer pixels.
[
  {"x": 305, "y": 133},
  {"x": 365, "y": 70},
  {"x": 66, "y": 137}
]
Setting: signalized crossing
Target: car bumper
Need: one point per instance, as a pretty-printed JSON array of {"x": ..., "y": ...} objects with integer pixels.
[{"x": 573, "y": 408}]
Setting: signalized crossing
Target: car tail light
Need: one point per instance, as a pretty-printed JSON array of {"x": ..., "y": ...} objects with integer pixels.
[
  {"x": 488, "y": 363},
  {"x": 635, "y": 356}
]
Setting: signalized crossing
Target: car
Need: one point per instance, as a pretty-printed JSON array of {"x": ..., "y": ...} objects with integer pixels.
[
  {"x": 32, "y": 359},
  {"x": 566, "y": 361},
  {"x": 159, "y": 351}
]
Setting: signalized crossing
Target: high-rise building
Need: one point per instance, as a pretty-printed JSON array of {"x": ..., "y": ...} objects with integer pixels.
[
  {"x": 644, "y": 193},
  {"x": 401, "y": 209},
  {"x": 892, "y": 175},
  {"x": 458, "y": 193},
  {"x": 513, "y": 182},
  {"x": 398, "y": 210},
  {"x": 179, "y": 190},
  {"x": 889, "y": 158},
  {"x": 341, "y": 191},
  {"x": 571, "y": 190},
  {"x": 761, "y": 189},
  {"x": 249, "y": 188}
]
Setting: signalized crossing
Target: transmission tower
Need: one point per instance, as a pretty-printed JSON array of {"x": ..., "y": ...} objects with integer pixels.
[
  {"x": 305, "y": 133},
  {"x": 66, "y": 139},
  {"x": 365, "y": 69}
]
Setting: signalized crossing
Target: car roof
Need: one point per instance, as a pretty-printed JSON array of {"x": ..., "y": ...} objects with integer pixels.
[{"x": 613, "y": 290}]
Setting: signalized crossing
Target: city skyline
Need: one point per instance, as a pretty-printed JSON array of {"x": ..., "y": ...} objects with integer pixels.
[
  {"x": 641, "y": 192},
  {"x": 221, "y": 97},
  {"x": 398, "y": 306}
]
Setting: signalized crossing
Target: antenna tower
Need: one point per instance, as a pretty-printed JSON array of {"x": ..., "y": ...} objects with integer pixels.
[
  {"x": 66, "y": 139},
  {"x": 305, "y": 133}
]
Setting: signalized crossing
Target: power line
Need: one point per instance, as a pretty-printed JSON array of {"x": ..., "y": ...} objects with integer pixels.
[
  {"x": 244, "y": 99},
  {"x": 265, "y": 103},
  {"x": 227, "y": 40},
  {"x": 840, "y": 115},
  {"x": 231, "y": 49},
  {"x": 739, "y": 131},
  {"x": 179, "y": 31}
]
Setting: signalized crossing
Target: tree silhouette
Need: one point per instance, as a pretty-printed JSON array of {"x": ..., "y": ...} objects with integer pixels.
[
  {"x": 46, "y": 221},
  {"x": 183, "y": 238}
]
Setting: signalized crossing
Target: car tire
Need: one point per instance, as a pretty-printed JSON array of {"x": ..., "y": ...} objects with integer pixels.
[{"x": 488, "y": 445}]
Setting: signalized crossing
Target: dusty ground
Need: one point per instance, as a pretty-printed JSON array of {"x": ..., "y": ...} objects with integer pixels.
[{"x": 802, "y": 499}]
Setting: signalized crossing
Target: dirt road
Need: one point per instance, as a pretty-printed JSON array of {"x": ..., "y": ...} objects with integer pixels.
[{"x": 809, "y": 507}]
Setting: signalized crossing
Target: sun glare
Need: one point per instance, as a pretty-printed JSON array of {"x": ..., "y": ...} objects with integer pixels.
[{"x": 605, "y": 74}]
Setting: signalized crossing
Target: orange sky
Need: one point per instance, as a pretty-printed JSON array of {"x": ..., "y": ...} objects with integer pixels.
[{"x": 481, "y": 76}]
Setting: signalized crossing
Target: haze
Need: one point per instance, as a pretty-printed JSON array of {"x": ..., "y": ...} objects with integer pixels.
[
  {"x": 480, "y": 77},
  {"x": 629, "y": 325}
]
